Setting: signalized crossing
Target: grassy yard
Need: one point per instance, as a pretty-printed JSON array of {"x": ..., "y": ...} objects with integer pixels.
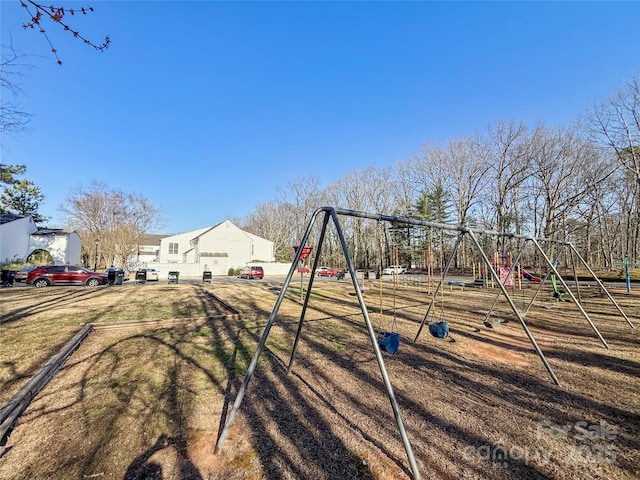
[{"x": 149, "y": 400}]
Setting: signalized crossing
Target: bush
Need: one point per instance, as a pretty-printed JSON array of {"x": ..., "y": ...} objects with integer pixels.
[
  {"x": 40, "y": 257},
  {"x": 234, "y": 272}
]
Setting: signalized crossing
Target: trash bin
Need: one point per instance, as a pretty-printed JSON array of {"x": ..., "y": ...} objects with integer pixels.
[
  {"x": 206, "y": 276},
  {"x": 7, "y": 277},
  {"x": 173, "y": 277},
  {"x": 119, "y": 277},
  {"x": 141, "y": 277},
  {"x": 111, "y": 276}
]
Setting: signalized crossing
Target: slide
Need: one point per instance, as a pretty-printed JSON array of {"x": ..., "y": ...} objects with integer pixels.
[{"x": 531, "y": 278}]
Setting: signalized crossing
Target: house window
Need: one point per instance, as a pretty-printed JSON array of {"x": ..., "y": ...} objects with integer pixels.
[{"x": 173, "y": 248}]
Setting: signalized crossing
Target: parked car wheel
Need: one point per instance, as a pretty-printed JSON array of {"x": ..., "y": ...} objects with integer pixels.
[
  {"x": 93, "y": 282},
  {"x": 41, "y": 282}
]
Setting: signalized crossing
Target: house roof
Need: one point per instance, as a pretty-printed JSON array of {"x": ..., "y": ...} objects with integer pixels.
[
  {"x": 151, "y": 239},
  {"x": 206, "y": 230},
  {"x": 50, "y": 231},
  {"x": 9, "y": 217}
]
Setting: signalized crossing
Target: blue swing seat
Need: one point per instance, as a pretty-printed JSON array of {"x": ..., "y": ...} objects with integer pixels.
[
  {"x": 389, "y": 341},
  {"x": 439, "y": 329}
]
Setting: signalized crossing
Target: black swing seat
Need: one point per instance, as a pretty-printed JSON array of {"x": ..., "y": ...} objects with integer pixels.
[
  {"x": 439, "y": 329},
  {"x": 389, "y": 341}
]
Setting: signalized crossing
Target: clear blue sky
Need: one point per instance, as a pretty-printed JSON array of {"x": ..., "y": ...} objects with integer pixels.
[{"x": 207, "y": 108}]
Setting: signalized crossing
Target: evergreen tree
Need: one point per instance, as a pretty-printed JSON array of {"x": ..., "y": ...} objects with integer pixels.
[
  {"x": 23, "y": 197},
  {"x": 8, "y": 172}
]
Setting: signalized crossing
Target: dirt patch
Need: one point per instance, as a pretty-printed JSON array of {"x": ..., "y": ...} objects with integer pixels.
[{"x": 150, "y": 402}]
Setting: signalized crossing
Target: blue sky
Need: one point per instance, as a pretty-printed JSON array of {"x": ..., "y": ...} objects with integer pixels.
[{"x": 208, "y": 108}]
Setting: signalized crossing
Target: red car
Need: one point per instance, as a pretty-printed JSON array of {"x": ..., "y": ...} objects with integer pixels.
[
  {"x": 329, "y": 272},
  {"x": 252, "y": 272},
  {"x": 64, "y": 275}
]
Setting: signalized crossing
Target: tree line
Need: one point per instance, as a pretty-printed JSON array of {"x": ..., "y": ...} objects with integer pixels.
[{"x": 579, "y": 184}]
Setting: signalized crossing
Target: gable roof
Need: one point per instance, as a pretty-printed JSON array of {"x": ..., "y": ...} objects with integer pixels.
[
  {"x": 149, "y": 239},
  {"x": 51, "y": 231},
  {"x": 10, "y": 217},
  {"x": 207, "y": 230}
]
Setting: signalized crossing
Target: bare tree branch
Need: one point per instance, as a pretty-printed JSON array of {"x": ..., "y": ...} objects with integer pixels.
[
  {"x": 39, "y": 12},
  {"x": 12, "y": 118}
]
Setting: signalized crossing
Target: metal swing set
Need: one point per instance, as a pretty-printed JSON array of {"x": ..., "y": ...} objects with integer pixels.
[{"x": 331, "y": 213}]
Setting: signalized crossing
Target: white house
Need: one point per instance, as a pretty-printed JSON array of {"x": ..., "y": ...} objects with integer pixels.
[
  {"x": 14, "y": 236},
  {"x": 64, "y": 246},
  {"x": 19, "y": 237},
  {"x": 215, "y": 249},
  {"x": 148, "y": 252}
]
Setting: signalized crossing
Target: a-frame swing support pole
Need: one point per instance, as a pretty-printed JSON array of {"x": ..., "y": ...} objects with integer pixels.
[
  {"x": 543, "y": 281},
  {"x": 602, "y": 287},
  {"x": 325, "y": 221},
  {"x": 573, "y": 297},
  {"x": 495, "y": 300},
  {"x": 374, "y": 340},
  {"x": 263, "y": 339},
  {"x": 513, "y": 307}
]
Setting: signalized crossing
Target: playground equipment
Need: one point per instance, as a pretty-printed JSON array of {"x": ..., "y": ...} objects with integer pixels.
[
  {"x": 439, "y": 329},
  {"x": 330, "y": 213},
  {"x": 530, "y": 277},
  {"x": 556, "y": 291}
]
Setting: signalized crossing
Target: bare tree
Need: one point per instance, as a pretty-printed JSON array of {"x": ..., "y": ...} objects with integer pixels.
[
  {"x": 297, "y": 201},
  {"x": 506, "y": 144},
  {"x": 429, "y": 169},
  {"x": 466, "y": 166},
  {"x": 115, "y": 219},
  {"x": 12, "y": 117},
  {"x": 407, "y": 185},
  {"x": 371, "y": 189},
  {"x": 559, "y": 159},
  {"x": 268, "y": 221},
  {"x": 615, "y": 123}
]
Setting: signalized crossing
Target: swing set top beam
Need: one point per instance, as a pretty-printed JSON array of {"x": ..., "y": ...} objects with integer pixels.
[{"x": 440, "y": 226}]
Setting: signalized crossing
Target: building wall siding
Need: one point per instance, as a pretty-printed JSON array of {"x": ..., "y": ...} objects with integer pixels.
[{"x": 14, "y": 239}]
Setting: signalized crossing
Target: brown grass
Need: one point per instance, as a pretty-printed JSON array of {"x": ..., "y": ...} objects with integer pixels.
[{"x": 149, "y": 402}]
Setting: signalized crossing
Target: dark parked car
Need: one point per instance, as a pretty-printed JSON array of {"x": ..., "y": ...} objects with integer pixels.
[
  {"x": 252, "y": 272},
  {"x": 64, "y": 275},
  {"x": 21, "y": 275}
]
